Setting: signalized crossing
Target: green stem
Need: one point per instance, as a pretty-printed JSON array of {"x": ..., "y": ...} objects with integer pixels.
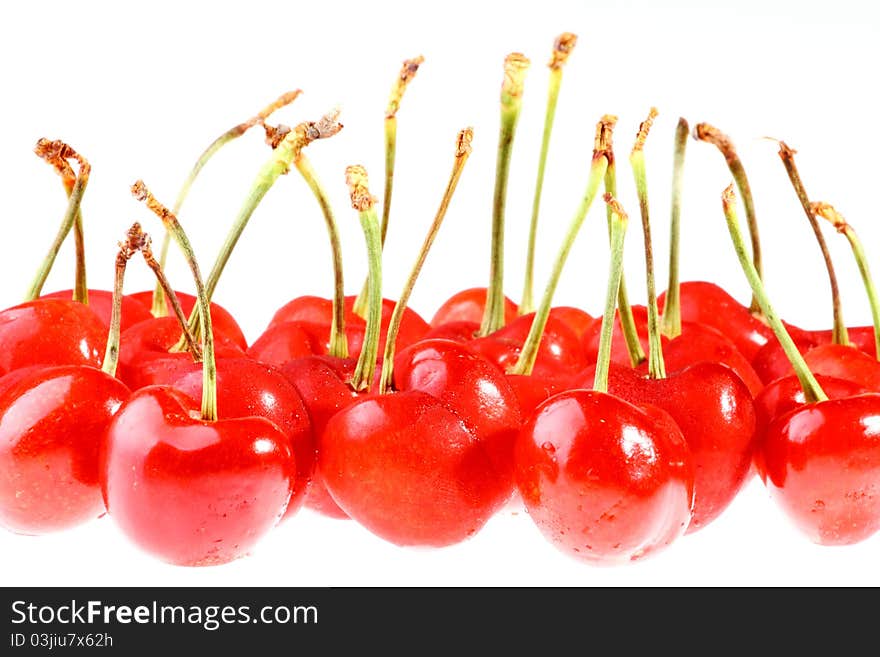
[
  {"x": 73, "y": 204},
  {"x": 338, "y": 341},
  {"x": 527, "y": 303},
  {"x": 209, "y": 366},
  {"x": 159, "y": 308},
  {"x": 812, "y": 390},
  {"x": 656, "y": 366},
  {"x": 624, "y": 309},
  {"x": 283, "y": 156},
  {"x": 526, "y": 361},
  {"x": 80, "y": 286},
  {"x": 839, "y": 333},
  {"x": 671, "y": 326},
  {"x": 463, "y": 150},
  {"x": 515, "y": 67},
  {"x": 828, "y": 212},
  {"x": 708, "y": 133},
  {"x": 363, "y": 202},
  {"x": 111, "y": 354},
  {"x": 618, "y": 233}
]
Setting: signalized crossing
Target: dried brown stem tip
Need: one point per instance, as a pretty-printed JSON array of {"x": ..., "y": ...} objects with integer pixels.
[
  {"x": 562, "y": 48},
  {"x": 728, "y": 196},
  {"x": 135, "y": 240},
  {"x": 275, "y": 134},
  {"x": 615, "y": 206},
  {"x": 463, "y": 143},
  {"x": 326, "y": 126},
  {"x": 58, "y": 154},
  {"x": 712, "y": 135},
  {"x": 407, "y": 73},
  {"x": 141, "y": 193},
  {"x": 515, "y": 66},
  {"x": 827, "y": 212},
  {"x": 358, "y": 188},
  {"x": 644, "y": 128},
  {"x": 603, "y": 144}
]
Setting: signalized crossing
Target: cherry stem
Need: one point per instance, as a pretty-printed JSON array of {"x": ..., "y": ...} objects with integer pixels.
[
  {"x": 407, "y": 72},
  {"x": 812, "y": 390},
  {"x": 209, "y": 366},
  {"x": 364, "y": 203},
  {"x": 656, "y": 367},
  {"x": 671, "y": 321},
  {"x": 134, "y": 239},
  {"x": 604, "y": 136},
  {"x": 462, "y": 152},
  {"x": 283, "y": 155},
  {"x": 828, "y": 212},
  {"x": 712, "y": 135},
  {"x": 618, "y": 233},
  {"x": 192, "y": 346},
  {"x": 159, "y": 309},
  {"x": 526, "y": 361},
  {"x": 562, "y": 48},
  {"x": 839, "y": 333},
  {"x": 515, "y": 67},
  {"x": 57, "y": 153},
  {"x": 338, "y": 341}
]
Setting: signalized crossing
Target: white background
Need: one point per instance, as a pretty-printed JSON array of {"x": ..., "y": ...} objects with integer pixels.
[{"x": 140, "y": 89}]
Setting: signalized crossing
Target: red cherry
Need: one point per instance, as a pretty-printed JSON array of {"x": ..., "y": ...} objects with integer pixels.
[
  {"x": 460, "y": 331},
  {"x": 771, "y": 363},
  {"x": 288, "y": 341},
  {"x": 702, "y": 343},
  {"x": 706, "y": 303},
  {"x": 449, "y": 429},
  {"x": 577, "y": 320},
  {"x": 101, "y": 303},
  {"x": 822, "y": 465},
  {"x": 787, "y": 394},
  {"x": 50, "y": 332},
  {"x": 715, "y": 412},
  {"x": 246, "y": 388},
  {"x": 605, "y": 481},
  {"x": 469, "y": 305},
  {"x": 531, "y": 391},
  {"x": 193, "y": 492},
  {"x": 560, "y": 352},
  {"x": 52, "y": 423},
  {"x": 222, "y": 320},
  {"x": 144, "y": 357},
  {"x": 322, "y": 383}
]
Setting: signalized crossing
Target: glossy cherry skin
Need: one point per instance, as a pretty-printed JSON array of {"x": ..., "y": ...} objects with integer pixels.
[
  {"x": 322, "y": 383},
  {"x": 702, "y": 343},
  {"x": 785, "y": 395},
  {"x": 52, "y": 423},
  {"x": 531, "y": 391},
  {"x": 409, "y": 469},
  {"x": 221, "y": 319},
  {"x": 473, "y": 388},
  {"x": 822, "y": 465},
  {"x": 144, "y": 357},
  {"x": 715, "y": 412},
  {"x": 771, "y": 363},
  {"x": 101, "y": 303},
  {"x": 50, "y": 332},
  {"x": 288, "y": 341},
  {"x": 841, "y": 362},
  {"x": 191, "y": 492},
  {"x": 706, "y": 303},
  {"x": 316, "y": 310},
  {"x": 560, "y": 352},
  {"x": 469, "y": 305},
  {"x": 459, "y": 331},
  {"x": 577, "y": 320},
  {"x": 605, "y": 481},
  {"x": 246, "y": 388}
]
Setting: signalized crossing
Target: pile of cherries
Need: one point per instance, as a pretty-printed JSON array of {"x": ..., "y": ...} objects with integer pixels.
[{"x": 618, "y": 433}]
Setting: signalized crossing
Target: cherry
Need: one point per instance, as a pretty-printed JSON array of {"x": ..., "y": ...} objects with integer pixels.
[
  {"x": 101, "y": 303},
  {"x": 469, "y": 306},
  {"x": 604, "y": 480},
  {"x": 224, "y": 322},
  {"x": 50, "y": 332},
  {"x": 145, "y": 356},
  {"x": 183, "y": 485},
  {"x": 246, "y": 388},
  {"x": 52, "y": 421}
]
